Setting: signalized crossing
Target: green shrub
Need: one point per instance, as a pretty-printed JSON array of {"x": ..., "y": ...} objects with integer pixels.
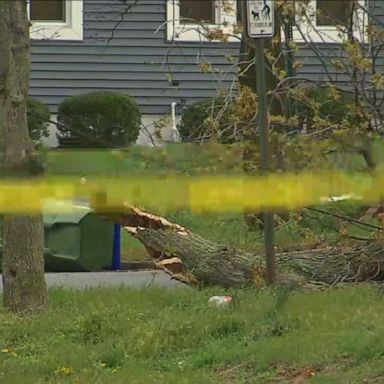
[
  {"x": 38, "y": 115},
  {"x": 220, "y": 118},
  {"x": 320, "y": 101},
  {"x": 202, "y": 119},
  {"x": 99, "y": 120}
]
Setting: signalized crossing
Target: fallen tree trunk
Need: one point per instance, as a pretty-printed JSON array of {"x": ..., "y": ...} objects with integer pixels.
[{"x": 193, "y": 259}]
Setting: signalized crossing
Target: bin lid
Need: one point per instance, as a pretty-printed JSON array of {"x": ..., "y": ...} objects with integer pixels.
[{"x": 64, "y": 211}]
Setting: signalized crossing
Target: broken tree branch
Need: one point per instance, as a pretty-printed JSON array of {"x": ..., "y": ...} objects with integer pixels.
[{"x": 190, "y": 258}]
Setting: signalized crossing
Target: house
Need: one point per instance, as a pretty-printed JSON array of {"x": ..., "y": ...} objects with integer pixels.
[
  {"x": 153, "y": 50},
  {"x": 87, "y": 45}
]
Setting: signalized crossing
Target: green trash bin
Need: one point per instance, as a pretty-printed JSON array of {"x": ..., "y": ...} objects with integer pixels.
[{"x": 79, "y": 241}]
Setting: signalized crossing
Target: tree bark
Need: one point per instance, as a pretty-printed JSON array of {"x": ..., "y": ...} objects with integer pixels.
[
  {"x": 23, "y": 236},
  {"x": 193, "y": 259}
]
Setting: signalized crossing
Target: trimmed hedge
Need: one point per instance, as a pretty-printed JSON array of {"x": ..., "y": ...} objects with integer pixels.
[
  {"x": 330, "y": 109},
  {"x": 38, "y": 116},
  {"x": 194, "y": 124},
  {"x": 98, "y": 120}
]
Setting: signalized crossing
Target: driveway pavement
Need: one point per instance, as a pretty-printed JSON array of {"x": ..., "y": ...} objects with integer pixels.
[{"x": 83, "y": 280}]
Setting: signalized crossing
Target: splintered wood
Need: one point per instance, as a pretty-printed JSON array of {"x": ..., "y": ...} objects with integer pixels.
[{"x": 192, "y": 259}]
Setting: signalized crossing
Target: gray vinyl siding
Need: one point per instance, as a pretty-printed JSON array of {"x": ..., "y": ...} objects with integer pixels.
[
  {"x": 378, "y": 14},
  {"x": 136, "y": 60},
  {"x": 316, "y": 58}
]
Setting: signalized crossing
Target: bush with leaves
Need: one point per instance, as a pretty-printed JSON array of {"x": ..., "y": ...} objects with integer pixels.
[
  {"x": 99, "y": 120},
  {"x": 201, "y": 120},
  {"x": 334, "y": 121},
  {"x": 325, "y": 103},
  {"x": 38, "y": 115},
  {"x": 225, "y": 118}
]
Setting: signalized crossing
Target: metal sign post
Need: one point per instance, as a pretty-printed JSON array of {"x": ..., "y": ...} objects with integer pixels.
[{"x": 260, "y": 24}]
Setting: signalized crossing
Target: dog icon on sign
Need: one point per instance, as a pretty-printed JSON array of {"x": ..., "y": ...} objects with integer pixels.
[{"x": 256, "y": 15}]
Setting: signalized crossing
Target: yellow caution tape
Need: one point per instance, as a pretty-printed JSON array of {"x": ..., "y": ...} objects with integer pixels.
[{"x": 201, "y": 194}]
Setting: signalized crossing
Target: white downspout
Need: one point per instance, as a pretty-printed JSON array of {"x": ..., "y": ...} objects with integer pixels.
[{"x": 175, "y": 132}]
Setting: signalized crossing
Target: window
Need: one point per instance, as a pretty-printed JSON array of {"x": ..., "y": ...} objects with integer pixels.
[
  {"x": 190, "y": 13},
  {"x": 56, "y": 19},
  {"x": 190, "y": 20},
  {"x": 47, "y": 10},
  {"x": 333, "y": 13},
  {"x": 326, "y": 20}
]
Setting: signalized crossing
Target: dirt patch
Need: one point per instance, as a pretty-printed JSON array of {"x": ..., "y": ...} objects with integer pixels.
[
  {"x": 374, "y": 380},
  {"x": 295, "y": 375},
  {"x": 231, "y": 374},
  {"x": 287, "y": 375}
]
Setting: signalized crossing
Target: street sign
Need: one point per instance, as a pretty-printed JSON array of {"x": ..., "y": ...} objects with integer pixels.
[{"x": 260, "y": 18}]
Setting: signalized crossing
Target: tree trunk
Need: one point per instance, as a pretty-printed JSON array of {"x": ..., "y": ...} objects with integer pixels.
[
  {"x": 191, "y": 258},
  {"x": 23, "y": 237}
]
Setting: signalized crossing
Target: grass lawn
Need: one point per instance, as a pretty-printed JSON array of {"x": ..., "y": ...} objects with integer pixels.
[
  {"x": 163, "y": 336},
  {"x": 172, "y": 336}
]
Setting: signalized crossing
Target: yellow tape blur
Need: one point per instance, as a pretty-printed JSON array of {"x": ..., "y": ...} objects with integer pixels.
[{"x": 200, "y": 194}]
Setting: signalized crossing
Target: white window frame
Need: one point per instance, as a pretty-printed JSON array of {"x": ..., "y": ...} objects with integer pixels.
[
  {"x": 195, "y": 32},
  {"x": 71, "y": 29},
  {"x": 327, "y": 34}
]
